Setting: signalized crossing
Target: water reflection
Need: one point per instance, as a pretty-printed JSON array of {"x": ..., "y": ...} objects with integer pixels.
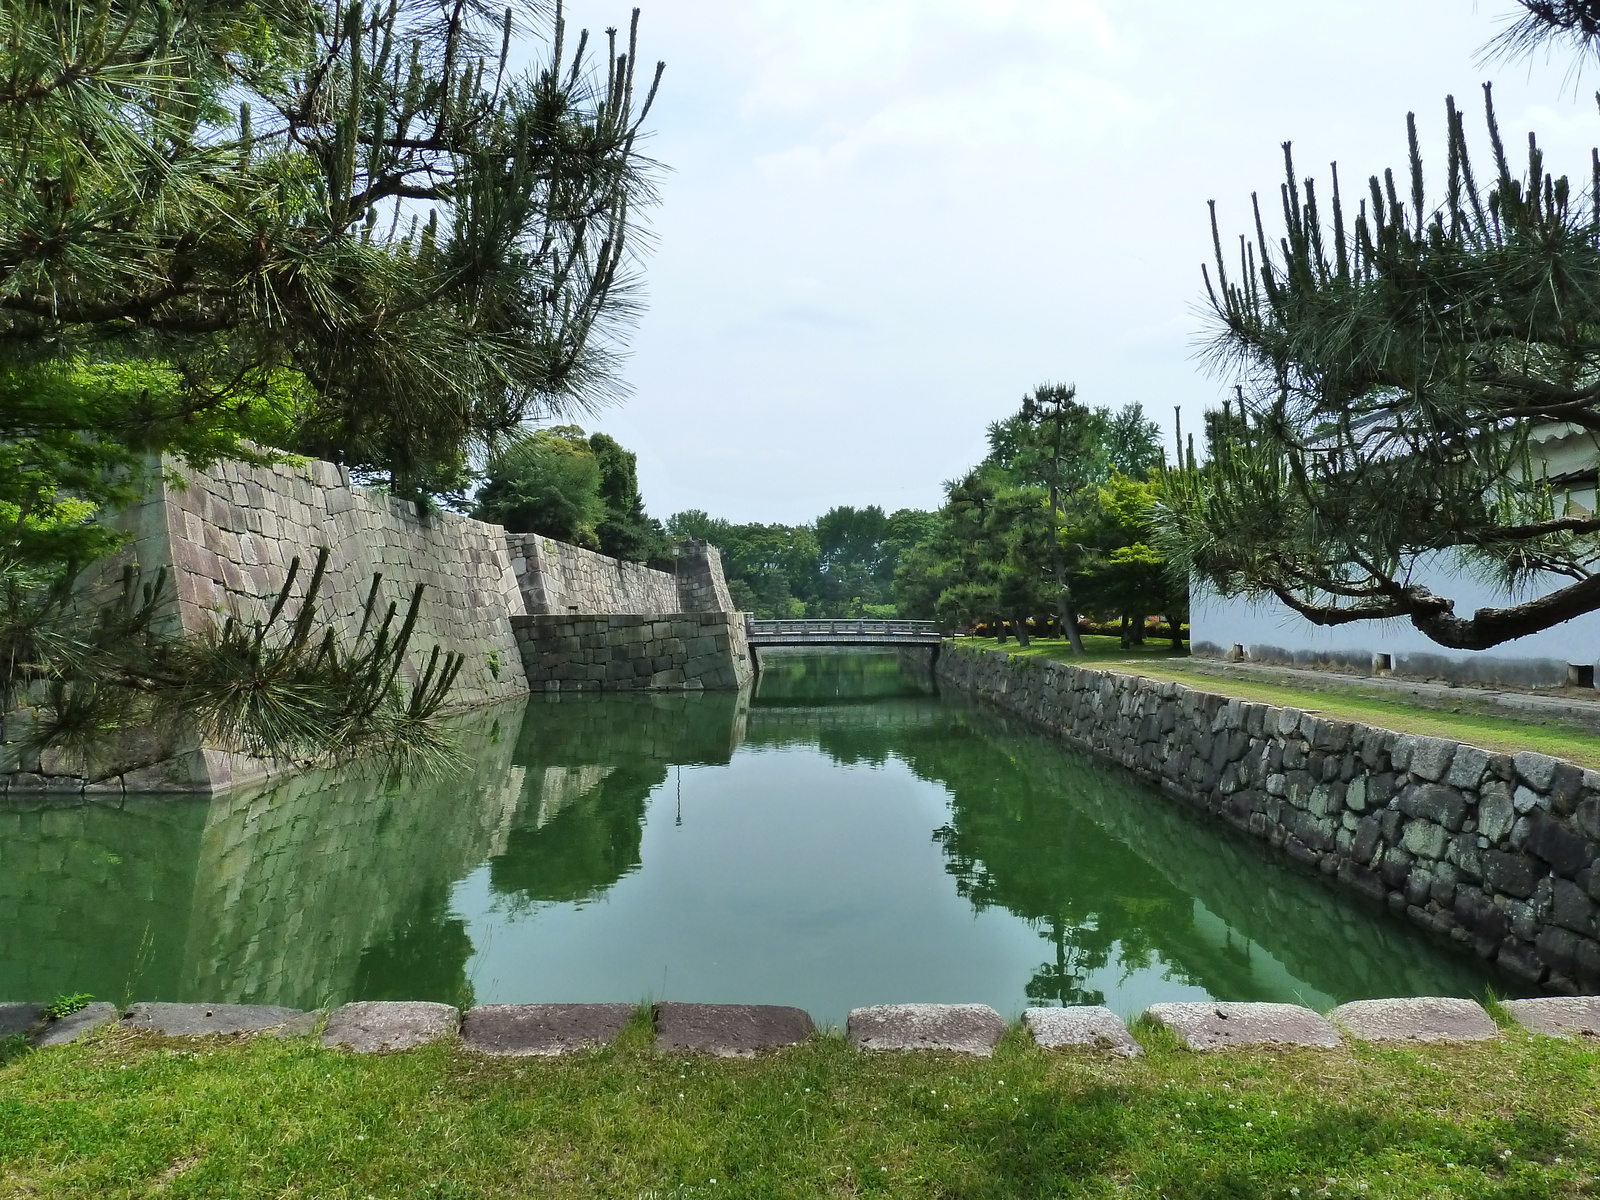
[{"x": 843, "y": 836}]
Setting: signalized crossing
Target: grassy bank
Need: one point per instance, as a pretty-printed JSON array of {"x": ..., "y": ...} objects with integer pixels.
[
  {"x": 130, "y": 1116},
  {"x": 1480, "y": 729}
]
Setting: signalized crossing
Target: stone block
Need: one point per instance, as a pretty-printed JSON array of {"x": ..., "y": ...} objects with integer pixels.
[
  {"x": 1222, "y": 1026},
  {"x": 79, "y": 1025},
  {"x": 1435, "y": 802},
  {"x": 204, "y": 1020},
  {"x": 1416, "y": 1019},
  {"x": 1467, "y": 768},
  {"x": 1525, "y": 799},
  {"x": 1425, "y": 839},
  {"x": 1089, "y": 1027},
  {"x": 523, "y": 1030},
  {"x": 375, "y": 1026},
  {"x": 1431, "y": 757},
  {"x": 1557, "y": 1016},
  {"x": 730, "y": 1030},
  {"x": 1496, "y": 812},
  {"x": 1536, "y": 770},
  {"x": 19, "y": 1018},
  {"x": 1513, "y": 874},
  {"x": 1565, "y": 851},
  {"x": 958, "y": 1028}
]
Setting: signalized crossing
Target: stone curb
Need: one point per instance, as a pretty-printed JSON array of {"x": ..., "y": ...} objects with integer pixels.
[
  {"x": 18, "y": 1019},
  {"x": 1088, "y": 1028},
  {"x": 206, "y": 1020},
  {"x": 1207, "y": 1027},
  {"x": 78, "y": 1025},
  {"x": 1416, "y": 1019},
  {"x": 730, "y": 1030},
  {"x": 543, "y": 1030},
  {"x": 379, "y": 1026},
  {"x": 1557, "y": 1016},
  {"x": 957, "y": 1028}
]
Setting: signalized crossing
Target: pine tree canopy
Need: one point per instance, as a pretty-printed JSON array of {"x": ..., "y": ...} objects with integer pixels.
[
  {"x": 1400, "y": 361},
  {"x": 368, "y": 197}
]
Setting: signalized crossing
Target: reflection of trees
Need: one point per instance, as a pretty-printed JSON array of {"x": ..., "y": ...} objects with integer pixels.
[
  {"x": 423, "y": 957},
  {"x": 1016, "y": 840},
  {"x": 849, "y": 677},
  {"x": 573, "y": 848}
]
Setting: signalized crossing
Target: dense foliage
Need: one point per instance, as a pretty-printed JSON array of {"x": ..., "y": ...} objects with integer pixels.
[
  {"x": 1401, "y": 364},
  {"x": 1055, "y": 524},
  {"x": 240, "y": 229},
  {"x": 583, "y": 490},
  {"x": 843, "y": 565}
]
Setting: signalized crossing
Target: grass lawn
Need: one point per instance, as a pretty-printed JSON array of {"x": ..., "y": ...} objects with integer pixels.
[
  {"x": 1491, "y": 732},
  {"x": 130, "y": 1116}
]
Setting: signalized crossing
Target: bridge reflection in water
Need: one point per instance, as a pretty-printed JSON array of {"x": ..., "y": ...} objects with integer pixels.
[{"x": 847, "y": 836}]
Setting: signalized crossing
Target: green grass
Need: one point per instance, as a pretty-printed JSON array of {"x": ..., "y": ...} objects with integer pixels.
[
  {"x": 131, "y": 1116},
  {"x": 1477, "y": 728}
]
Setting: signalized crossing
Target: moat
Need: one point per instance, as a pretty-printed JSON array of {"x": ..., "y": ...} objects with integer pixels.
[{"x": 842, "y": 836}]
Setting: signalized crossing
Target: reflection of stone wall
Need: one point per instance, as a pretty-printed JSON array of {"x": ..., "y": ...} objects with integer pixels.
[
  {"x": 625, "y": 652},
  {"x": 298, "y": 880},
  {"x": 1500, "y": 854},
  {"x": 688, "y": 728}
]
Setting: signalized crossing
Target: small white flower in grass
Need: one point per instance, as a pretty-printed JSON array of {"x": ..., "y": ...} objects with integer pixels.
[{"x": 1249, "y": 1125}]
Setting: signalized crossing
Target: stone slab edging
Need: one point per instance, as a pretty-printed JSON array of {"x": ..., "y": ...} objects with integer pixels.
[
  {"x": 1498, "y": 853},
  {"x": 1415, "y": 1019},
  {"x": 205, "y": 1020},
  {"x": 1086, "y": 1027},
  {"x": 730, "y": 1030},
  {"x": 1228, "y": 1026}
]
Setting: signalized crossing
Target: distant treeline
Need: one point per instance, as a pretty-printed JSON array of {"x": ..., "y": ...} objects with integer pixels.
[{"x": 991, "y": 553}]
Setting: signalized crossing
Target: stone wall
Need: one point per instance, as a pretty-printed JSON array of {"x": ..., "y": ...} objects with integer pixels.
[
  {"x": 1496, "y": 852},
  {"x": 558, "y": 579},
  {"x": 634, "y": 651}
]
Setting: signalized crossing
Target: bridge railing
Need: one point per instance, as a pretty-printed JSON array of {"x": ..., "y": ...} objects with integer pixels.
[{"x": 843, "y": 627}]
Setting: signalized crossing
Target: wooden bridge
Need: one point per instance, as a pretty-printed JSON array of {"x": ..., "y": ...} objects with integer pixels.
[{"x": 849, "y": 631}]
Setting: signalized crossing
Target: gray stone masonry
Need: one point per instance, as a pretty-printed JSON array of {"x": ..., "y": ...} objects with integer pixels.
[
  {"x": 1216, "y": 1026},
  {"x": 1087, "y": 1027},
  {"x": 1416, "y": 1019},
  {"x": 1500, "y": 854},
  {"x": 557, "y": 579},
  {"x": 625, "y": 652},
  {"x": 956, "y": 1028},
  {"x": 730, "y": 1030},
  {"x": 543, "y": 1030},
  {"x": 76, "y": 1026},
  {"x": 1557, "y": 1016},
  {"x": 379, "y": 1026},
  {"x": 205, "y": 1020}
]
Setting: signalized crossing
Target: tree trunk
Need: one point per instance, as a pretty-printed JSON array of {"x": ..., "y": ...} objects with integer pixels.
[
  {"x": 1136, "y": 637},
  {"x": 1019, "y": 625},
  {"x": 1177, "y": 632},
  {"x": 1123, "y": 630},
  {"x": 999, "y": 632},
  {"x": 1069, "y": 615}
]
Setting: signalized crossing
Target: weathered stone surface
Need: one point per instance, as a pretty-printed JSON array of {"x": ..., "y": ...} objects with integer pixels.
[
  {"x": 1537, "y": 770},
  {"x": 730, "y": 1030},
  {"x": 960, "y": 1028},
  {"x": 203, "y": 1020},
  {"x": 79, "y": 1025},
  {"x": 1090, "y": 1027},
  {"x": 1430, "y": 758},
  {"x": 19, "y": 1018},
  {"x": 521, "y": 1030},
  {"x": 1416, "y": 1019},
  {"x": 375, "y": 1026},
  {"x": 1557, "y": 1016},
  {"x": 1220, "y": 1026}
]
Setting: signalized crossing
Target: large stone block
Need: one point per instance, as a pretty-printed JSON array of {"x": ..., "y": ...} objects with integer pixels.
[
  {"x": 522, "y": 1030},
  {"x": 730, "y": 1030},
  {"x": 1416, "y": 1019},
  {"x": 1087, "y": 1027},
  {"x": 204, "y": 1020},
  {"x": 376, "y": 1026},
  {"x": 77, "y": 1026},
  {"x": 957, "y": 1028},
  {"x": 1557, "y": 1016},
  {"x": 1223, "y": 1026}
]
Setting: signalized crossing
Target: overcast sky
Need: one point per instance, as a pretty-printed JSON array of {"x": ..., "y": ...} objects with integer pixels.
[{"x": 886, "y": 220}]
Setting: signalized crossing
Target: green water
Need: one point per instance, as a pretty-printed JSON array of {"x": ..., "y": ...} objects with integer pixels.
[{"x": 845, "y": 836}]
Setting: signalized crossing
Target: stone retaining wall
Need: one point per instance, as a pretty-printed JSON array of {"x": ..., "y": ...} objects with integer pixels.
[
  {"x": 558, "y": 579},
  {"x": 631, "y": 651},
  {"x": 1496, "y": 852}
]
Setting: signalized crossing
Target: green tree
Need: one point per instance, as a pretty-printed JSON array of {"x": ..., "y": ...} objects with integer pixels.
[
  {"x": 367, "y": 197},
  {"x": 1397, "y": 372},
  {"x": 546, "y": 482},
  {"x": 626, "y": 531}
]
